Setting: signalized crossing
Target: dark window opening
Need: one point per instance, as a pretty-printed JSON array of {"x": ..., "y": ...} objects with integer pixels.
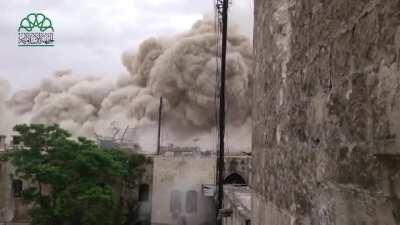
[
  {"x": 234, "y": 178},
  {"x": 248, "y": 222},
  {"x": 144, "y": 192},
  {"x": 16, "y": 140},
  {"x": 191, "y": 201},
  {"x": 175, "y": 204},
  {"x": 101, "y": 184},
  {"x": 17, "y": 187}
]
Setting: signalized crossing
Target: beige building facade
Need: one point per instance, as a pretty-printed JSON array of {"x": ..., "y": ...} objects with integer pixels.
[{"x": 177, "y": 190}]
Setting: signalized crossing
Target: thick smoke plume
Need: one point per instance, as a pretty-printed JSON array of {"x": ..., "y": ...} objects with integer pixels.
[
  {"x": 7, "y": 118},
  {"x": 181, "y": 69}
]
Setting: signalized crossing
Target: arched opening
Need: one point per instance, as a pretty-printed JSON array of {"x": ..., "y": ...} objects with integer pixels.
[
  {"x": 234, "y": 178},
  {"x": 144, "y": 192}
]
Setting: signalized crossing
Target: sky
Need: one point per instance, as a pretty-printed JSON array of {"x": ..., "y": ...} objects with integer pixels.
[{"x": 91, "y": 35}]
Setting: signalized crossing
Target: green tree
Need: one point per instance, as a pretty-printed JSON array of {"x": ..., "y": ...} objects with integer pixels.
[{"x": 72, "y": 181}]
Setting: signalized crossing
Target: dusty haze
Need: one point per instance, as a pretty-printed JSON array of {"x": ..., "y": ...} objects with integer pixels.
[{"x": 182, "y": 69}]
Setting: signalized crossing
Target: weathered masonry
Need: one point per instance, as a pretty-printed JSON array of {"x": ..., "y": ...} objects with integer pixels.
[{"x": 326, "y": 112}]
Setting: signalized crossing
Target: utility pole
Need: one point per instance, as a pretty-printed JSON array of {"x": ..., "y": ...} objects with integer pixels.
[
  {"x": 159, "y": 126},
  {"x": 222, "y": 108}
]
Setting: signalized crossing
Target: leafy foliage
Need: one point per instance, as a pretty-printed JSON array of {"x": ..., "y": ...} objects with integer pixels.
[{"x": 73, "y": 182}]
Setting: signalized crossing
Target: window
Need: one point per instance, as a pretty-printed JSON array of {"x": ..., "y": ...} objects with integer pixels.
[
  {"x": 17, "y": 187},
  {"x": 175, "y": 204},
  {"x": 191, "y": 201},
  {"x": 16, "y": 140},
  {"x": 143, "y": 192}
]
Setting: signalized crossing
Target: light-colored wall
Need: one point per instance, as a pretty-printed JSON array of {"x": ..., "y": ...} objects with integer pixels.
[{"x": 182, "y": 173}]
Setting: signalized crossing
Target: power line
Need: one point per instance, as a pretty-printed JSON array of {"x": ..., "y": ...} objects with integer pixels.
[{"x": 216, "y": 87}]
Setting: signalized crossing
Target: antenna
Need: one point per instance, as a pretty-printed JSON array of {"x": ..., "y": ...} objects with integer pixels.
[{"x": 123, "y": 135}]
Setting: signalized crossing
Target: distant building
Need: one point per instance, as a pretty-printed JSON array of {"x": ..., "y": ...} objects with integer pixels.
[
  {"x": 184, "y": 184},
  {"x": 177, "y": 190},
  {"x": 111, "y": 143}
]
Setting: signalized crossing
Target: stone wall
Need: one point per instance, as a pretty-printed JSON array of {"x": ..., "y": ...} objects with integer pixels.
[
  {"x": 237, "y": 164},
  {"x": 326, "y": 103}
]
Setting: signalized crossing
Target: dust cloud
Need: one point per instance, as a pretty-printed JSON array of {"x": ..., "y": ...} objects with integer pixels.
[{"x": 181, "y": 69}]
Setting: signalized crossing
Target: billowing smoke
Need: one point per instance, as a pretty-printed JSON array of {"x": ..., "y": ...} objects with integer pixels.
[
  {"x": 7, "y": 118},
  {"x": 181, "y": 69}
]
